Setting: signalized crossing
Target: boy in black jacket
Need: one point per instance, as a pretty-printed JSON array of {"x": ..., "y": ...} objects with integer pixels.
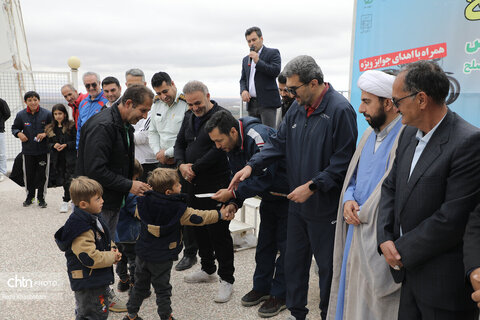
[
  {"x": 29, "y": 127},
  {"x": 162, "y": 212},
  {"x": 90, "y": 252}
]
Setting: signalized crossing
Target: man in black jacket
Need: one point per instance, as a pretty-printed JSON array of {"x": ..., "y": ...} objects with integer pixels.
[
  {"x": 205, "y": 169},
  {"x": 257, "y": 83},
  {"x": 106, "y": 154},
  {"x": 4, "y": 115}
]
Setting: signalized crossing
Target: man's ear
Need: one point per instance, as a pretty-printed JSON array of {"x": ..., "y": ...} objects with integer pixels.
[
  {"x": 388, "y": 105},
  {"x": 422, "y": 99}
]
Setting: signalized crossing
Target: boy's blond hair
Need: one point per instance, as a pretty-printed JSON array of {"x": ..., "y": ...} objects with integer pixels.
[
  {"x": 137, "y": 168},
  {"x": 83, "y": 189},
  {"x": 162, "y": 179}
]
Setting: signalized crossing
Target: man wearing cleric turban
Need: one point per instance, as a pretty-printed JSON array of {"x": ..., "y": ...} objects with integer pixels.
[{"x": 362, "y": 286}]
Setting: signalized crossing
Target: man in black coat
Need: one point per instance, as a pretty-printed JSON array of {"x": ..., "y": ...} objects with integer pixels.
[
  {"x": 106, "y": 150},
  {"x": 259, "y": 72},
  {"x": 205, "y": 169},
  {"x": 427, "y": 197}
]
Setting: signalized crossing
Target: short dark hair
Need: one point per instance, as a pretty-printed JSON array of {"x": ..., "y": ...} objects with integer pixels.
[
  {"x": 223, "y": 120},
  {"x": 305, "y": 67},
  {"x": 137, "y": 168},
  {"x": 31, "y": 94},
  {"x": 282, "y": 79},
  {"x": 253, "y": 29},
  {"x": 159, "y": 78},
  {"x": 427, "y": 76},
  {"x": 110, "y": 80},
  {"x": 137, "y": 93}
]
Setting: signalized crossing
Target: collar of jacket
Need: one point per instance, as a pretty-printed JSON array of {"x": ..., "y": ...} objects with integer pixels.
[
  {"x": 97, "y": 98},
  {"x": 117, "y": 118}
]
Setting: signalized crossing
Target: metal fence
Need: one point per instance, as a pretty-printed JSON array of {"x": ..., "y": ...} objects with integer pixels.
[{"x": 14, "y": 84}]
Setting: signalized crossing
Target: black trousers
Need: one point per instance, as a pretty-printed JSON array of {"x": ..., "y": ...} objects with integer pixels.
[
  {"x": 127, "y": 264},
  {"x": 92, "y": 304},
  {"x": 64, "y": 176},
  {"x": 35, "y": 174},
  {"x": 158, "y": 274},
  {"x": 413, "y": 309},
  {"x": 215, "y": 242}
]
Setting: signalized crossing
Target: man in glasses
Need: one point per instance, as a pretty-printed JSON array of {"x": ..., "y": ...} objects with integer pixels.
[
  {"x": 427, "y": 197},
  {"x": 257, "y": 84},
  {"x": 356, "y": 259},
  {"x": 93, "y": 103},
  {"x": 167, "y": 115},
  {"x": 317, "y": 137}
]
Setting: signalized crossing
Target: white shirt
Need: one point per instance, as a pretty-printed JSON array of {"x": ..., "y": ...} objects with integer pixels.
[
  {"x": 165, "y": 124},
  {"x": 251, "y": 81},
  {"x": 143, "y": 152}
]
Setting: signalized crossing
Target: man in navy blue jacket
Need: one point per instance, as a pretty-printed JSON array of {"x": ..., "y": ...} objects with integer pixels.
[
  {"x": 317, "y": 138},
  {"x": 241, "y": 140},
  {"x": 259, "y": 72}
]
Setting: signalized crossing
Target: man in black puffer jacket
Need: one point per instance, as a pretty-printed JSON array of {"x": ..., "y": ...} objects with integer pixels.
[{"x": 205, "y": 169}]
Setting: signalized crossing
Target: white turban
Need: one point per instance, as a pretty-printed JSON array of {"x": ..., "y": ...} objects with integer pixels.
[{"x": 376, "y": 82}]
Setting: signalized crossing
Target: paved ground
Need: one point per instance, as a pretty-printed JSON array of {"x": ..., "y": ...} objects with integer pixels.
[{"x": 34, "y": 283}]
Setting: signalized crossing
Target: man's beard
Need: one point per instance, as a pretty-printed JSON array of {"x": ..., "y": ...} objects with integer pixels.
[
  {"x": 287, "y": 100},
  {"x": 378, "y": 120}
]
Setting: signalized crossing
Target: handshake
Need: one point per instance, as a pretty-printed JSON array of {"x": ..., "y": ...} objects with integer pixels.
[{"x": 228, "y": 211}]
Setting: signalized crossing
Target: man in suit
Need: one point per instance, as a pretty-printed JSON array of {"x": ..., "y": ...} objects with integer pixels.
[
  {"x": 427, "y": 197},
  {"x": 259, "y": 72},
  {"x": 471, "y": 258}
]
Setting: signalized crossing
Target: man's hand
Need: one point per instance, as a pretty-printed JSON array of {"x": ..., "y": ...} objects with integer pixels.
[
  {"x": 186, "y": 171},
  {"x": 139, "y": 187},
  {"x": 22, "y": 137},
  {"x": 475, "y": 280},
  {"x": 246, "y": 96},
  {"x": 254, "y": 55},
  {"x": 222, "y": 195},
  {"x": 239, "y": 177},
  {"x": 391, "y": 254},
  {"x": 350, "y": 212},
  {"x": 301, "y": 193},
  {"x": 163, "y": 159},
  {"x": 41, "y": 136}
]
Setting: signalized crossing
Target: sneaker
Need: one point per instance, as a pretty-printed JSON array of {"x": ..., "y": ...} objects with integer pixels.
[
  {"x": 225, "y": 290},
  {"x": 42, "y": 203},
  {"x": 135, "y": 318},
  {"x": 2, "y": 177},
  {"x": 290, "y": 317},
  {"x": 253, "y": 298},
  {"x": 64, "y": 207},
  {"x": 271, "y": 307},
  {"x": 200, "y": 276},
  {"x": 116, "y": 304},
  {"x": 27, "y": 202},
  {"x": 123, "y": 285}
]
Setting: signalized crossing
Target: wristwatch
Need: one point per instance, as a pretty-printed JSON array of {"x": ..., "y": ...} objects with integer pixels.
[{"x": 313, "y": 186}]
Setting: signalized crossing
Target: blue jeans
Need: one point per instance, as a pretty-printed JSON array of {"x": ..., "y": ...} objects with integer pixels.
[{"x": 3, "y": 154}]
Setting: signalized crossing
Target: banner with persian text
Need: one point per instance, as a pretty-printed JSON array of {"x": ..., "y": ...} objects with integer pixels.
[{"x": 391, "y": 34}]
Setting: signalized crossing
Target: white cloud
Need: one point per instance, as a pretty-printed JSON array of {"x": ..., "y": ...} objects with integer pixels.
[{"x": 201, "y": 40}]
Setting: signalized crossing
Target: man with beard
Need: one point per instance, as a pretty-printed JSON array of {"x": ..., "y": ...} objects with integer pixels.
[
  {"x": 317, "y": 139},
  {"x": 287, "y": 97},
  {"x": 355, "y": 256},
  {"x": 205, "y": 169}
]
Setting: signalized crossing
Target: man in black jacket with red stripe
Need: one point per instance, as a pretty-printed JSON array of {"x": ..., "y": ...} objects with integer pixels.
[{"x": 205, "y": 169}]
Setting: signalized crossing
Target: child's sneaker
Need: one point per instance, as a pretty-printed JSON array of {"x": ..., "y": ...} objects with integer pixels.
[
  {"x": 225, "y": 290},
  {"x": 64, "y": 207},
  {"x": 200, "y": 276},
  {"x": 117, "y": 305},
  {"x": 27, "y": 202},
  {"x": 124, "y": 285},
  {"x": 42, "y": 203}
]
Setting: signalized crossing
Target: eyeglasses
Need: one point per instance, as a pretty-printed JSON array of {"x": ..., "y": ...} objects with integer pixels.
[
  {"x": 293, "y": 90},
  {"x": 396, "y": 101},
  {"x": 93, "y": 85}
]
